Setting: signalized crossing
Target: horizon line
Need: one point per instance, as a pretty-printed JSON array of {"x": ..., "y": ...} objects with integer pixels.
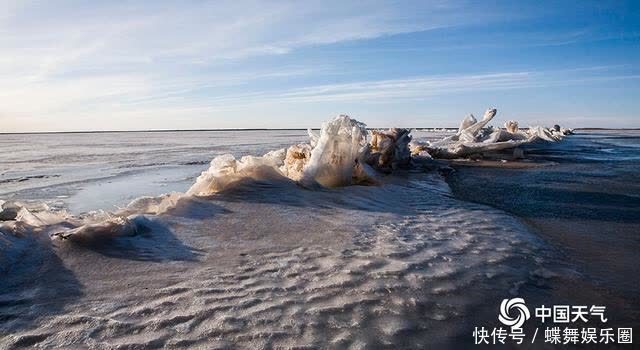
[{"x": 244, "y": 129}]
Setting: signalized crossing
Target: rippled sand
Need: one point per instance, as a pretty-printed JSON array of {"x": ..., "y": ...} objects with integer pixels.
[{"x": 271, "y": 265}]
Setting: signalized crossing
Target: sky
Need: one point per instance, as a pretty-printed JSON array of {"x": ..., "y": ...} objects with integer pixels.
[{"x": 141, "y": 65}]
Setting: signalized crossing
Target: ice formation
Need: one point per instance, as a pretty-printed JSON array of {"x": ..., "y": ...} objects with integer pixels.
[
  {"x": 511, "y": 126},
  {"x": 339, "y": 155},
  {"x": 342, "y": 154},
  {"x": 296, "y": 158},
  {"x": 331, "y": 159},
  {"x": 474, "y": 137},
  {"x": 226, "y": 170},
  {"x": 30, "y": 219},
  {"x": 336, "y": 152},
  {"x": 390, "y": 149}
]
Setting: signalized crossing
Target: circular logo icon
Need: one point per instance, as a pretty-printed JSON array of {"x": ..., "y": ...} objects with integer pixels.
[{"x": 513, "y": 312}]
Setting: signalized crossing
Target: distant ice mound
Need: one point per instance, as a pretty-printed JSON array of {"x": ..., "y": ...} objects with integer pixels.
[{"x": 474, "y": 137}]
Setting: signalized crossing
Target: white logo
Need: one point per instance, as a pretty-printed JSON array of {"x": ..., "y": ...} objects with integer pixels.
[{"x": 513, "y": 312}]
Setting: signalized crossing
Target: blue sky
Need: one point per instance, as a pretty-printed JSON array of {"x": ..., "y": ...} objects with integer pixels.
[{"x": 89, "y": 65}]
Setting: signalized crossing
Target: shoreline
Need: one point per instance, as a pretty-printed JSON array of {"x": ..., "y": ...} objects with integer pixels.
[{"x": 574, "y": 232}]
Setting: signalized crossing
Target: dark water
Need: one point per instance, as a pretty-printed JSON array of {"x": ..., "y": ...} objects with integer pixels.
[{"x": 584, "y": 201}]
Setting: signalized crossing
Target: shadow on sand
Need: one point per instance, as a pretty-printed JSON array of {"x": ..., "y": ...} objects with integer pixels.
[
  {"x": 286, "y": 192},
  {"x": 151, "y": 241},
  {"x": 35, "y": 285}
]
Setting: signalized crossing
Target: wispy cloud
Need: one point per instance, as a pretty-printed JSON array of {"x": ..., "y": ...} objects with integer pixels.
[
  {"x": 423, "y": 87},
  {"x": 63, "y": 58},
  {"x": 134, "y": 63},
  {"x": 59, "y": 37},
  {"x": 419, "y": 87},
  {"x": 123, "y": 98}
]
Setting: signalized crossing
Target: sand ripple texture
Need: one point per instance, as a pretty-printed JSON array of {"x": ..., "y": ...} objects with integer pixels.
[{"x": 274, "y": 266}]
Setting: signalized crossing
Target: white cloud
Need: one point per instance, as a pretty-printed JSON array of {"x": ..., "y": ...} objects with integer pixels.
[
  {"x": 419, "y": 88},
  {"x": 58, "y": 37},
  {"x": 112, "y": 65},
  {"x": 408, "y": 88},
  {"x": 62, "y": 57}
]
